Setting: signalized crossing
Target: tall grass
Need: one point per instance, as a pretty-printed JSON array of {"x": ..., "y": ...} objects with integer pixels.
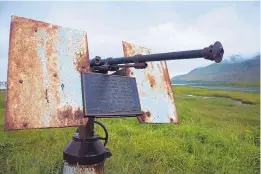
[{"x": 215, "y": 135}]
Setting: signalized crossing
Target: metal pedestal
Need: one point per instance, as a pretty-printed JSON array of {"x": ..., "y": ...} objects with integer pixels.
[{"x": 85, "y": 154}]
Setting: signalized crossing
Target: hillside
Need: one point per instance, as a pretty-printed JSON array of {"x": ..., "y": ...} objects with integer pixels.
[{"x": 235, "y": 70}]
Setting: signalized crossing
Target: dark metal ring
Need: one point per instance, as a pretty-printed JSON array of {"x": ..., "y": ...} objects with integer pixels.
[{"x": 106, "y": 132}]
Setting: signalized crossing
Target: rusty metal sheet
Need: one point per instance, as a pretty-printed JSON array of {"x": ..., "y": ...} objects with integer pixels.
[
  {"x": 154, "y": 87},
  {"x": 44, "y": 75}
]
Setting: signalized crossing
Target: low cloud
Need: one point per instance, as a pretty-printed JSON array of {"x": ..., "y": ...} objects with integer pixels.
[{"x": 106, "y": 31}]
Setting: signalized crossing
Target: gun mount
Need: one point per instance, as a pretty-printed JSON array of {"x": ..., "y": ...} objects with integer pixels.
[{"x": 214, "y": 52}]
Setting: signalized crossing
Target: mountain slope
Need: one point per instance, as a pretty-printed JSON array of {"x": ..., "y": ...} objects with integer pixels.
[{"x": 233, "y": 71}]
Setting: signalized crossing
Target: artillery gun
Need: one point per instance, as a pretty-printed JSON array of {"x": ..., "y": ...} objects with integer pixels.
[
  {"x": 213, "y": 52},
  {"x": 103, "y": 66}
]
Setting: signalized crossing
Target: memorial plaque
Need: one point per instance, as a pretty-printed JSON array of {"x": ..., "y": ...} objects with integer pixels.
[{"x": 110, "y": 95}]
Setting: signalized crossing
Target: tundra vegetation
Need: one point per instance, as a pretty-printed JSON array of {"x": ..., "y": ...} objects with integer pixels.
[{"x": 215, "y": 135}]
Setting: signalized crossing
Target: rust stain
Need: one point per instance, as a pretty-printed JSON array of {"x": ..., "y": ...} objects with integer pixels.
[
  {"x": 20, "y": 51},
  {"x": 81, "y": 61},
  {"x": 68, "y": 115},
  {"x": 151, "y": 79},
  {"x": 148, "y": 114},
  {"x": 25, "y": 125},
  {"x": 127, "y": 49},
  {"x": 165, "y": 85},
  {"x": 82, "y": 169},
  {"x": 176, "y": 121},
  {"x": 166, "y": 77},
  {"x": 142, "y": 118},
  {"x": 65, "y": 113},
  {"x": 172, "y": 121}
]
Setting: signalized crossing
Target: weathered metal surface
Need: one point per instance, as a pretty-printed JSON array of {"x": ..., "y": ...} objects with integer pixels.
[
  {"x": 214, "y": 52},
  {"x": 154, "y": 87},
  {"x": 44, "y": 79},
  {"x": 110, "y": 95},
  {"x": 83, "y": 169}
]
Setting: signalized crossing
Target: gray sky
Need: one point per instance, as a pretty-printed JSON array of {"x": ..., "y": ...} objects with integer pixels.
[{"x": 160, "y": 26}]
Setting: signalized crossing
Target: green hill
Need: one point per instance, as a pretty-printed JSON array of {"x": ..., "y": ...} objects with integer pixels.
[{"x": 235, "y": 70}]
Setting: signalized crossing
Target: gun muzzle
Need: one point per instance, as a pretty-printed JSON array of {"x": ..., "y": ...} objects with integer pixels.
[{"x": 214, "y": 52}]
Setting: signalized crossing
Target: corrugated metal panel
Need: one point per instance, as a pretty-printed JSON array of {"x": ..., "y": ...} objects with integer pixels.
[
  {"x": 154, "y": 87},
  {"x": 44, "y": 81}
]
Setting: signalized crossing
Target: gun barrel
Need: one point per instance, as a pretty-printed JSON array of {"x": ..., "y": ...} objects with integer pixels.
[{"x": 213, "y": 52}]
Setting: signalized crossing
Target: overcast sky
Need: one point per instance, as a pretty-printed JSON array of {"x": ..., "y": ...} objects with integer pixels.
[{"x": 160, "y": 26}]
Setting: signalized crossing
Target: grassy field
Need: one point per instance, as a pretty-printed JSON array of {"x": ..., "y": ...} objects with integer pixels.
[
  {"x": 245, "y": 97},
  {"x": 215, "y": 135},
  {"x": 242, "y": 84}
]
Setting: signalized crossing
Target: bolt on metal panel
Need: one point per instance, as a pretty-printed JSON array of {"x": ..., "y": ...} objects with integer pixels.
[
  {"x": 154, "y": 87},
  {"x": 44, "y": 79}
]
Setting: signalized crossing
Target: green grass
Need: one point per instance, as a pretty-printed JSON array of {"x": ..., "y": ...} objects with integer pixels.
[
  {"x": 242, "y": 84},
  {"x": 2, "y": 98},
  {"x": 246, "y": 97},
  {"x": 215, "y": 135}
]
